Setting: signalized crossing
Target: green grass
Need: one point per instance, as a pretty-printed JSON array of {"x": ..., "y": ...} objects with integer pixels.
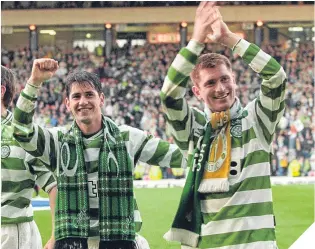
[{"x": 294, "y": 210}]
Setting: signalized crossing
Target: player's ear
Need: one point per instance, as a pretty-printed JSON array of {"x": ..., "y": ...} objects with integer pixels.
[
  {"x": 196, "y": 91},
  {"x": 67, "y": 103},
  {"x": 3, "y": 90},
  {"x": 102, "y": 98}
]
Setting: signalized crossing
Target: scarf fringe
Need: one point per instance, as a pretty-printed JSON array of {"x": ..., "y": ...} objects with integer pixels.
[
  {"x": 66, "y": 243},
  {"x": 183, "y": 236},
  {"x": 214, "y": 185}
]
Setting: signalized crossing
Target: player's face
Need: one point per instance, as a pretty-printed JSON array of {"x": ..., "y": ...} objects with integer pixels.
[
  {"x": 85, "y": 103},
  {"x": 216, "y": 88}
]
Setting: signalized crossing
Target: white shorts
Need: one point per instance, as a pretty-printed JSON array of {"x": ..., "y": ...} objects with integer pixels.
[
  {"x": 141, "y": 242},
  {"x": 21, "y": 236}
]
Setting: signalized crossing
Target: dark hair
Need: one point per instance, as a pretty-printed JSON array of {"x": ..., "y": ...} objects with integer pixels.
[
  {"x": 210, "y": 60},
  {"x": 7, "y": 80},
  {"x": 83, "y": 77}
]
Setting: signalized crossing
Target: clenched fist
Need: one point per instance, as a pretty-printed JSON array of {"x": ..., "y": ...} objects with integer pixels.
[{"x": 43, "y": 69}]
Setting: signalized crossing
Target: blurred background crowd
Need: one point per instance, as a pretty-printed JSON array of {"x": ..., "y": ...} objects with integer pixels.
[{"x": 132, "y": 76}]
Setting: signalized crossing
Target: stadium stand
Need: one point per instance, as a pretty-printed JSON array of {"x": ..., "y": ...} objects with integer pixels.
[
  {"x": 5, "y": 5},
  {"x": 132, "y": 77}
]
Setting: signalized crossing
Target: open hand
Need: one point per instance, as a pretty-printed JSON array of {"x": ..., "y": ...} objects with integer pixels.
[{"x": 206, "y": 15}]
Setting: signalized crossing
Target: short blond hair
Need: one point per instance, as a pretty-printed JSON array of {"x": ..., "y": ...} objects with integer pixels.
[{"x": 210, "y": 60}]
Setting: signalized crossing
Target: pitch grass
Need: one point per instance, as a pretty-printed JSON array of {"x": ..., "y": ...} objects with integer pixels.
[{"x": 293, "y": 204}]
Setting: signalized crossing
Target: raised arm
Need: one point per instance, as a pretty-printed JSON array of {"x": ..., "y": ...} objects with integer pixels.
[
  {"x": 269, "y": 106},
  {"x": 37, "y": 141},
  {"x": 151, "y": 150},
  {"x": 183, "y": 119}
]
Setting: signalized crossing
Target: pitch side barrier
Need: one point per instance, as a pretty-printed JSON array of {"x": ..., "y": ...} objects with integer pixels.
[
  {"x": 43, "y": 203},
  {"x": 171, "y": 183}
]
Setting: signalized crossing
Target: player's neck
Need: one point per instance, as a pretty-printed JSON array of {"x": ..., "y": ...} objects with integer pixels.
[{"x": 88, "y": 129}]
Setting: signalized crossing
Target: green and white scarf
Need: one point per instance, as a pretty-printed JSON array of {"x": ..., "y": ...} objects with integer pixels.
[
  {"x": 115, "y": 188},
  {"x": 187, "y": 223}
]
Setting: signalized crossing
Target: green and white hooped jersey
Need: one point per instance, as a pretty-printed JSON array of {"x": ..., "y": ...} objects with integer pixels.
[
  {"x": 46, "y": 144},
  {"x": 243, "y": 217},
  {"x": 19, "y": 173}
]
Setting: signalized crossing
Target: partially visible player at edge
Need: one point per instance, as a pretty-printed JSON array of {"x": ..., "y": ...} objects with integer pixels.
[{"x": 20, "y": 172}]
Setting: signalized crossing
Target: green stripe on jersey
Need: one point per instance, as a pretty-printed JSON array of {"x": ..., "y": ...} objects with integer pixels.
[
  {"x": 270, "y": 69},
  {"x": 12, "y": 163},
  {"x": 252, "y": 183},
  {"x": 25, "y": 117},
  {"x": 265, "y": 130},
  {"x": 239, "y": 211},
  {"x": 125, "y": 135},
  {"x": 258, "y": 156},
  {"x": 159, "y": 153},
  {"x": 6, "y": 220},
  {"x": 92, "y": 167},
  {"x": 40, "y": 144},
  {"x": 250, "y": 53},
  {"x": 248, "y": 135},
  {"x": 180, "y": 144},
  {"x": 20, "y": 202},
  {"x": 174, "y": 104},
  {"x": 177, "y": 77},
  {"x": 177, "y": 124},
  {"x": 272, "y": 93},
  {"x": 27, "y": 96},
  {"x": 188, "y": 55},
  {"x": 199, "y": 117},
  {"x": 16, "y": 186},
  {"x": 176, "y": 159},
  {"x": 236, "y": 238},
  {"x": 272, "y": 115}
]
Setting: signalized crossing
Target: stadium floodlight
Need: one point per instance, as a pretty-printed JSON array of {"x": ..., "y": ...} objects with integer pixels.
[
  {"x": 183, "y": 24},
  {"x": 48, "y": 31},
  {"x": 32, "y": 27},
  {"x": 108, "y": 25},
  {"x": 296, "y": 29},
  {"x": 259, "y": 23}
]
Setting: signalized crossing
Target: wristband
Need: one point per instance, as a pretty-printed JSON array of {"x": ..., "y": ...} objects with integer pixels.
[{"x": 37, "y": 87}]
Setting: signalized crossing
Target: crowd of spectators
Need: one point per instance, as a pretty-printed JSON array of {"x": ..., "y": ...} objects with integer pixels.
[
  {"x": 6, "y": 5},
  {"x": 132, "y": 78}
]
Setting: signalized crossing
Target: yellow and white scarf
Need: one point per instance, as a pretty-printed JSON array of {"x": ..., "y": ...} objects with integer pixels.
[{"x": 217, "y": 167}]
